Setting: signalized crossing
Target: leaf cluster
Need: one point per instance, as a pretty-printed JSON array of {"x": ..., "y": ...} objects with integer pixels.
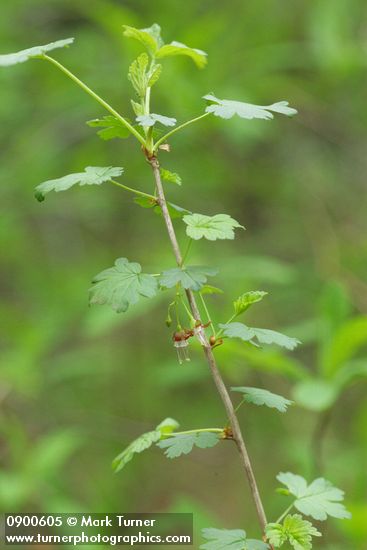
[
  {"x": 295, "y": 530},
  {"x": 247, "y": 299},
  {"x": 319, "y": 500},
  {"x": 142, "y": 76},
  {"x": 152, "y": 40}
]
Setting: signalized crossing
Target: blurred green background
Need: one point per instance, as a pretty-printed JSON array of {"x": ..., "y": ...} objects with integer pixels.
[{"x": 79, "y": 383}]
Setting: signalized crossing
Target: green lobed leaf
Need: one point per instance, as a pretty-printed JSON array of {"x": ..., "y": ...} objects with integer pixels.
[
  {"x": 230, "y": 539},
  {"x": 152, "y": 118},
  {"x": 172, "y": 177},
  {"x": 226, "y": 108},
  {"x": 143, "y": 75},
  {"x": 139, "y": 445},
  {"x": 316, "y": 394},
  {"x": 264, "y": 336},
  {"x": 220, "y": 226},
  {"x": 192, "y": 277},
  {"x": 295, "y": 530},
  {"x": 259, "y": 396},
  {"x": 150, "y": 37},
  {"x": 138, "y": 74},
  {"x": 111, "y": 127},
  {"x": 37, "y": 51},
  {"x": 122, "y": 285},
  {"x": 318, "y": 500},
  {"x": 167, "y": 426},
  {"x": 143, "y": 442},
  {"x": 177, "y": 48},
  {"x": 247, "y": 299},
  {"x": 93, "y": 175},
  {"x": 180, "y": 444},
  {"x": 154, "y": 74}
]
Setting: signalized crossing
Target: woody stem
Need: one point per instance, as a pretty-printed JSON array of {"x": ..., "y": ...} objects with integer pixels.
[{"x": 221, "y": 387}]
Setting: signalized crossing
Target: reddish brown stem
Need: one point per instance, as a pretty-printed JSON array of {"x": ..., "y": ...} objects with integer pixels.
[{"x": 221, "y": 387}]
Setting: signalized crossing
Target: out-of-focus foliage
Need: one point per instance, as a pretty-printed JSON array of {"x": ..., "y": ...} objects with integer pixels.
[
  {"x": 78, "y": 384},
  {"x": 339, "y": 364}
]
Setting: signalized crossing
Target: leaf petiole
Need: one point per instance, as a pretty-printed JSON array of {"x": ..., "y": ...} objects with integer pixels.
[
  {"x": 132, "y": 190},
  {"x": 95, "y": 96},
  {"x": 169, "y": 134},
  {"x": 205, "y": 307},
  {"x": 280, "y": 518},
  {"x": 189, "y": 314},
  {"x": 188, "y": 432},
  {"x": 239, "y": 405},
  {"x": 185, "y": 256},
  {"x": 227, "y": 323}
]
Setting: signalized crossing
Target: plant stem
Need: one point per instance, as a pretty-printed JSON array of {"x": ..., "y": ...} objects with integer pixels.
[
  {"x": 169, "y": 134},
  {"x": 149, "y": 130},
  {"x": 135, "y": 191},
  {"x": 222, "y": 390},
  {"x": 96, "y": 97}
]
